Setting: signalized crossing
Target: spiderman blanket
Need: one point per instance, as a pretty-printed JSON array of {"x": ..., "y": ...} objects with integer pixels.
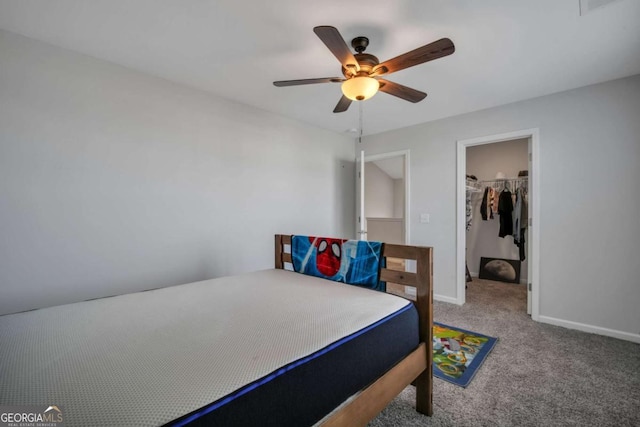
[{"x": 350, "y": 261}]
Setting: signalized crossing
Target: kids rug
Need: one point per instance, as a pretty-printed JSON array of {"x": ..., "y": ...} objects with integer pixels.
[{"x": 458, "y": 353}]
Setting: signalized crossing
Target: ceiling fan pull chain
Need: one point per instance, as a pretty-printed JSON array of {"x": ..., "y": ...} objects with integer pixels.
[{"x": 360, "y": 120}]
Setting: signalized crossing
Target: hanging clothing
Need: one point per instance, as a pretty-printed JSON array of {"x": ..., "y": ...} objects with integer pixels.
[
  {"x": 517, "y": 212},
  {"x": 469, "y": 210},
  {"x": 505, "y": 209},
  {"x": 469, "y": 215},
  {"x": 494, "y": 196},
  {"x": 522, "y": 244},
  {"x": 483, "y": 205},
  {"x": 524, "y": 212},
  {"x": 524, "y": 223}
]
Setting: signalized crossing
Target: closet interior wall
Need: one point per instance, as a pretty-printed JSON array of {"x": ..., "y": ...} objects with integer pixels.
[{"x": 485, "y": 161}]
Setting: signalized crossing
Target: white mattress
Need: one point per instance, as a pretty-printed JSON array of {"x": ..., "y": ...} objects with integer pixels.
[{"x": 147, "y": 358}]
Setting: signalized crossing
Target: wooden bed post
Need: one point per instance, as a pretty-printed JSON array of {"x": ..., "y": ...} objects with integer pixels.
[
  {"x": 278, "y": 252},
  {"x": 424, "y": 304},
  {"x": 422, "y": 280},
  {"x": 280, "y": 255}
]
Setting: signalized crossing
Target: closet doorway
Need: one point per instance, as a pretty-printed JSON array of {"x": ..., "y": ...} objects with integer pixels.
[{"x": 488, "y": 166}]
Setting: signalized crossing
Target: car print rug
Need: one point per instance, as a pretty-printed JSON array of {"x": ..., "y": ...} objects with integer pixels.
[{"x": 458, "y": 353}]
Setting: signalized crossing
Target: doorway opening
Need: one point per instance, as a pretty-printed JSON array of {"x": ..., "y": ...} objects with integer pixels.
[
  {"x": 383, "y": 197},
  {"x": 383, "y": 204},
  {"x": 478, "y": 240}
]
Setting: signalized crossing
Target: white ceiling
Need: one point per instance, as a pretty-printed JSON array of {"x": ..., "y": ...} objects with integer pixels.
[{"x": 506, "y": 50}]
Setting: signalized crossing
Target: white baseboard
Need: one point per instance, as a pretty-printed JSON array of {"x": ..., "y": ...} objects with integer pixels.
[
  {"x": 627, "y": 336},
  {"x": 443, "y": 298}
]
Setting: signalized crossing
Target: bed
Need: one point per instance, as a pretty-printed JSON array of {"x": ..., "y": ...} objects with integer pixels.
[{"x": 272, "y": 347}]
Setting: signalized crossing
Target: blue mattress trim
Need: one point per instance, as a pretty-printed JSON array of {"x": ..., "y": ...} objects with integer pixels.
[{"x": 293, "y": 365}]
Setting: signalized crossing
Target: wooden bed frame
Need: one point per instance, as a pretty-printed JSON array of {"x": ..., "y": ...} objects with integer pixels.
[{"x": 417, "y": 367}]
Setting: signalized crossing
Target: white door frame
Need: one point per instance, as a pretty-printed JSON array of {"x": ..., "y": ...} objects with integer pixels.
[
  {"x": 407, "y": 187},
  {"x": 534, "y": 209}
]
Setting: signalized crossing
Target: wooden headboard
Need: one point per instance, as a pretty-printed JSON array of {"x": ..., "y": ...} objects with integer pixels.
[{"x": 421, "y": 280}]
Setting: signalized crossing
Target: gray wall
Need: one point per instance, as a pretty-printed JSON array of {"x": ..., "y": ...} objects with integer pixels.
[
  {"x": 113, "y": 181},
  {"x": 378, "y": 192},
  {"x": 398, "y": 198},
  {"x": 485, "y": 161},
  {"x": 589, "y": 198}
]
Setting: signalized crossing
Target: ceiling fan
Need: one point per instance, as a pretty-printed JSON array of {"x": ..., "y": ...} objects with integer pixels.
[{"x": 362, "y": 71}]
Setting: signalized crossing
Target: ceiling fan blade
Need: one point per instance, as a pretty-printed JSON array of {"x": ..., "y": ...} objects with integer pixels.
[
  {"x": 401, "y": 91},
  {"x": 343, "y": 105},
  {"x": 283, "y": 83},
  {"x": 336, "y": 44},
  {"x": 435, "y": 50},
  {"x": 378, "y": 71}
]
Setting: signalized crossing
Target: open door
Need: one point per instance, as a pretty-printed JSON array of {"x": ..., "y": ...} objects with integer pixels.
[
  {"x": 361, "y": 221},
  {"x": 383, "y": 214},
  {"x": 395, "y": 167},
  {"x": 528, "y": 236}
]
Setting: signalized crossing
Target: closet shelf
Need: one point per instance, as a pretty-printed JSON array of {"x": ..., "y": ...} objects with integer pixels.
[
  {"x": 512, "y": 183},
  {"x": 519, "y": 178},
  {"x": 473, "y": 185},
  {"x": 473, "y": 188}
]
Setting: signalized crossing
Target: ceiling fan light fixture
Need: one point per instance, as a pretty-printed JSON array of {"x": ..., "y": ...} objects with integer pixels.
[{"x": 360, "y": 88}]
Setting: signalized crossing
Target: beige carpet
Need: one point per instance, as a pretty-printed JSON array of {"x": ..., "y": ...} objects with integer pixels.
[{"x": 537, "y": 375}]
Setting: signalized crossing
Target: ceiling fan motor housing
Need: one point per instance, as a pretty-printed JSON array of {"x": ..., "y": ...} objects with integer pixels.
[
  {"x": 360, "y": 43},
  {"x": 366, "y": 63}
]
